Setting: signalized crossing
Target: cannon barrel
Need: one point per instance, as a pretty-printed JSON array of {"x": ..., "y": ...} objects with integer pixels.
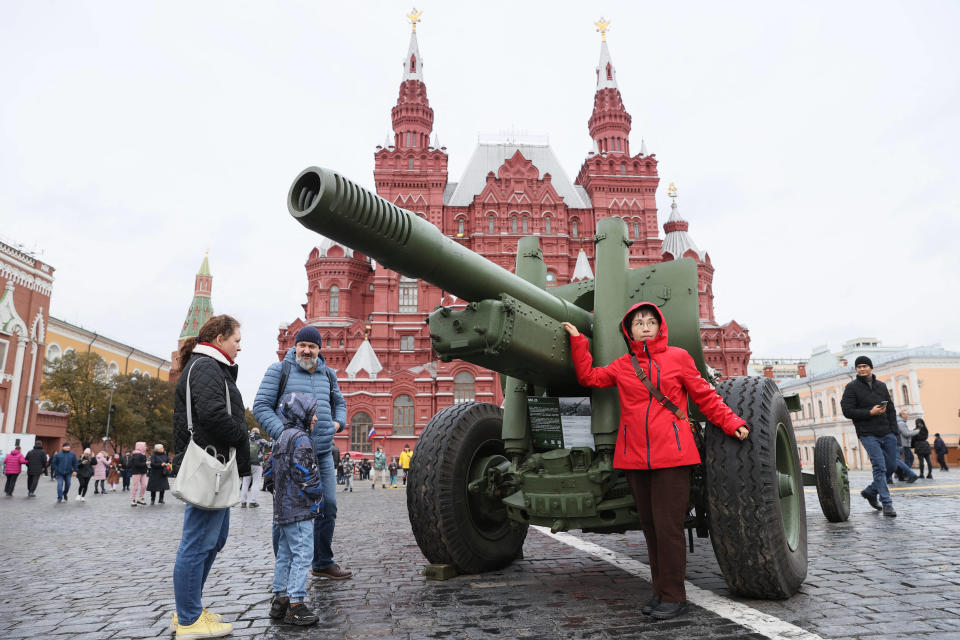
[{"x": 329, "y": 204}]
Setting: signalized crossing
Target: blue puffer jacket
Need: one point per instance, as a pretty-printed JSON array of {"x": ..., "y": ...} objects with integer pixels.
[
  {"x": 64, "y": 463},
  {"x": 330, "y": 403},
  {"x": 297, "y": 490}
]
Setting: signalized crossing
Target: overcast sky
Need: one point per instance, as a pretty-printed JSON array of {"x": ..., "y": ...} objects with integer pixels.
[{"x": 814, "y": 146}]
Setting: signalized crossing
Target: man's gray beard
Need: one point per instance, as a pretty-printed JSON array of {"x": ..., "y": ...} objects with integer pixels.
[{"x": 307, "y": 363}]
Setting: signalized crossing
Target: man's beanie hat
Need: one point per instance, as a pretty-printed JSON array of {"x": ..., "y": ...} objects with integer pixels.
[
  {"x": 863, "y": 360},
  {"x": 309, "y": 334}
]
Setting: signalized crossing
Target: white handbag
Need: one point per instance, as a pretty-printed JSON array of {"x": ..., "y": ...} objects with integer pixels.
[{"x": 205, "y": 480}]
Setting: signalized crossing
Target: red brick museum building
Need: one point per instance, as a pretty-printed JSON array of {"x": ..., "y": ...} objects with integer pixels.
[{"x": 372, "y": 318}]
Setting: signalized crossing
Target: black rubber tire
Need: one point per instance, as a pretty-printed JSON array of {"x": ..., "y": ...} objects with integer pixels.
[
  {"x": 747, "y": 527},
  {"x": 446, "y": 522},
  {"x": 832, "y": 488}
]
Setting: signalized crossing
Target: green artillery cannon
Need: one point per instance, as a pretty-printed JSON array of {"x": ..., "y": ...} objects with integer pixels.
[{"x": 481, "y": 474}]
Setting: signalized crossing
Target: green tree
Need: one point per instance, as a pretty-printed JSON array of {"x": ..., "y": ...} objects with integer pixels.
[
  {"x": 143, "y": 411},
  {"x": 78, "y": 383}
]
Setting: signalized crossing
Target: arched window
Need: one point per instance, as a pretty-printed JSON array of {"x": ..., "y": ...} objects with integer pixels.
[
  {"x": 810, "y": 410},
  {"x": 413, "y": 64},
  {"x": 623, "y": 168},
  {"x": 408, "y": 295},
  {"x": 334, "y": 300},
  {"x": 513, "y": 224},
  {"x": 609, "y": 71},
  {"x": 820, "y": 407},
  {"x": 551, "y": 279},
  {"x": 833, "y": 407},
  {"x": 460, "y": 227},
  {"x": 403, "y": 416},
  {"x": 69, "y": 350},
  {"x": 410, "y": 161},
  {"x": 113, "y": 369},
  {"x": 574, "y": 229},
  {"x": 359, "y": 428},
  {"x": 546, "y": 224},
  {"x": 803, "y": 409},
  {"x": 463, "y": 387},
  {"x": 53, "y": 352},
  {"x": 491, "y": 224},
  {"x": 525, "y": 226},
  {"x": 905, "y": 395},
  {"x": 636, "y": 229}
]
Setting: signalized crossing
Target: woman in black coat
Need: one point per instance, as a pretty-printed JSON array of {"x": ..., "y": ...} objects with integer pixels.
[
  {"x": 159, "y": 470},
  {"x": 218, "y": 421},
  {"x": 922, "y": 448}
]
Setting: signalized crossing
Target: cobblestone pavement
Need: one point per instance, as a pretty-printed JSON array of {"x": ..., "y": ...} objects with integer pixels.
[{"x": 102, "y": 569}]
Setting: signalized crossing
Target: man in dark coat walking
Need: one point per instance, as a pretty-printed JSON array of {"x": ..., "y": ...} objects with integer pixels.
[
  {"x": 940, "y": 448},
  {"x": 36, "y": 465},
  {"x": 867, "y": 402}
]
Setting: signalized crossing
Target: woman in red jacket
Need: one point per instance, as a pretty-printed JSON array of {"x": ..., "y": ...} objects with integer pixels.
[{"x": 654, "y": 447}]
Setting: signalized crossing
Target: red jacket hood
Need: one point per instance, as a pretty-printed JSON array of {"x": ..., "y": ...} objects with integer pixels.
[{"x": 654, "y": 345}]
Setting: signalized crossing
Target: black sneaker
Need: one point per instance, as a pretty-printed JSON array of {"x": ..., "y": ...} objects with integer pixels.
[
  {"x": 652, "y": 604},
  {"x": 872, "y": 499},
  {"x": 668, "y": 610},
  {"x": 279, "y": 606},
  {"x": 888, "y": 510},
  {"x": 299, "y": 614}
]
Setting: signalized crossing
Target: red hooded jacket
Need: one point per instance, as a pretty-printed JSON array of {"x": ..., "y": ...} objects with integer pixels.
[{"x": 650, "y": 435}]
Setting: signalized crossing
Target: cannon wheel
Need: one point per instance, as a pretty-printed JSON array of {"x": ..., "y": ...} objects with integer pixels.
[
  {"x": 451, "y": 525},
  {"x": 833, "y": 485},
  {"x": 755, "y": 505}
]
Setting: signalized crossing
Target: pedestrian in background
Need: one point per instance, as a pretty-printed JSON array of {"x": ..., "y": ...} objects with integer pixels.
[
  {"x": 125, "y": 469},
  {"x": 113, "y": 476},
  {"x": 866, "y": 401},
  {"x": 101, "y": 466},
  {"x": 906, "y": 437},
  {"x": 250, "y": 485},
  {"x": 335, "y": 454},
  {"x": 379, "y": 469},
  {"x": 940, "y": 448},
  {"x": 393, "y": 467},
  {"x": 159, "y": 470},
  {"x": 84, "y": 472},
  {"x": 138, "y": 474},
  {"x": 12, "y": 466},
  {"x": 405, "y": 457},
  {"x": 297, "y": 501},
  {"x": 219, "y": 421},
  {"x": 348, "y": 465},
  {"x": 922, "y": 448},
  {"x": 64, "y": 466},
  {"x": 36, "y": 465}
]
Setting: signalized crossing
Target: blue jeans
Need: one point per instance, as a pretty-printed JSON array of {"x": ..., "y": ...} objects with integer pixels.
[
  {"x": 907, "y": 456},
  {"x": 322, "y": 527},
  {"x": 902, "y": 468},
  {"x": 294, "y": 554},
  {"x": 204, "y": 535},
  {"x": 884, "y": 453},
  {"x": 63, "y": 486}
]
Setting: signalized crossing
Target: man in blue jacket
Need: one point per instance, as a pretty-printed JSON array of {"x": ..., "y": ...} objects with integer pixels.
[
  {"x": 64, "y": 466},
  {"x": 304, "y": 370}
]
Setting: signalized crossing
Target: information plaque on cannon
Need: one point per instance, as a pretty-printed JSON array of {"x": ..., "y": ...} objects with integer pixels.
[{"x": 546, "y": 430}]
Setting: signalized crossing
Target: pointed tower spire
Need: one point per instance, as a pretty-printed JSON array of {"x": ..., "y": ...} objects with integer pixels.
[
  {"x": 610, "y": 123},
  {"x": 412, "y": 115},
  {"x": 200, "y": 309}
]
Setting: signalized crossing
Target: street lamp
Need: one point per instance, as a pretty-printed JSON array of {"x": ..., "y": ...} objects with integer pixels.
[{"x": 110, "y": 411}]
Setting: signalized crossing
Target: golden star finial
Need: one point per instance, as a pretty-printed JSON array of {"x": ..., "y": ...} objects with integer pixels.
[
  {"x": 414, "y": 18},
  {"x": 602, "y": 27},
  {"x": 672, "y": 191}
]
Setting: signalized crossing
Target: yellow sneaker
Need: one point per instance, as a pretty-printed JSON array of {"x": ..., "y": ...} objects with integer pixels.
[
  {"x": 205, "y": 613},
  {"x": 204, "y": 627}
]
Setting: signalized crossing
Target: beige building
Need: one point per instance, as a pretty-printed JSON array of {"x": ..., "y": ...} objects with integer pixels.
[
  {"x": 923, "y": 380},
  {"x": 121, "y": 359}
]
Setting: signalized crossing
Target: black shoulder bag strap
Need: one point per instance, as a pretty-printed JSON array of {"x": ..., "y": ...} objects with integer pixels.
[
  {"x": 284, "y": 374},
  {"x": 661, "y": 399}
]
